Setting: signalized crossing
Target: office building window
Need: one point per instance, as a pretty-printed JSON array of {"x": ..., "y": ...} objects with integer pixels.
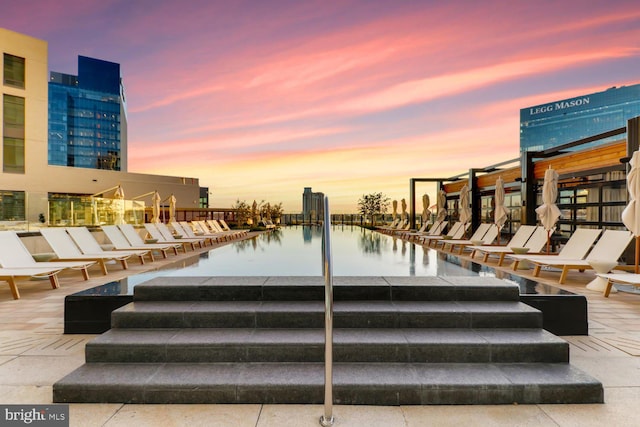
[
  {"x": 13, "y": 71},
  {"x": 12, "y": 206},
  {"x": 13, "y": 134}
]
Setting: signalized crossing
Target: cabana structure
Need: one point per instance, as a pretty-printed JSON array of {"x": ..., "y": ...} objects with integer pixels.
[{"x": 592, "y": 187}]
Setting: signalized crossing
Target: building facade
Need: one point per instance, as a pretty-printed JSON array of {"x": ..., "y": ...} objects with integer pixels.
[
  {"x": 36, "y": 191},
  {"x": 560, "y": 122},
  {"x": 312, "y": 203},
  {"x": 87, "y": 117}
]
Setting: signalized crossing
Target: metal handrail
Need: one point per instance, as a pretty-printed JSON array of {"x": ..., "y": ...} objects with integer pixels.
[{"x": 327, "y": 270}]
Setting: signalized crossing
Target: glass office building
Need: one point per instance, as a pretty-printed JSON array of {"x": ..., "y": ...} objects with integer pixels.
[
  {"x": 560, "y": 122},
  {"x": 87, "y": 117}
]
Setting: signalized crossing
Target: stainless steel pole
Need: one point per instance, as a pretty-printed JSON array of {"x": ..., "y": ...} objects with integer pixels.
[{"x": 327, "y": 419}]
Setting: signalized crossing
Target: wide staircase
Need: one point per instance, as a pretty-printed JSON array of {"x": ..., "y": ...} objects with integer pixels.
[{"x": 397, "y": 341}]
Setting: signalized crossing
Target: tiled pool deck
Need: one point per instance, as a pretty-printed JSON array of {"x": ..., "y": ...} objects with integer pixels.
[{"x": 34, "y": 353}]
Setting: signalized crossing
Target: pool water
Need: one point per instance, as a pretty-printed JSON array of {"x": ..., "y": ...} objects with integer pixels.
[{"x": 297, "y": 251}]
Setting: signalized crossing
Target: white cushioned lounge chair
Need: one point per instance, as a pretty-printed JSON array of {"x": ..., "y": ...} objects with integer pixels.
[
  {"x": 528, "y": 236},
  {"x": 164, "y": 235},
  {"x": 608, "y": 248},
  {"x": 10, "y": 275},
  {"x": 485, "y": 233},
  {"x": 14, "y": 254},
  {"x": 66, "y": 249},
  {"x": 120, "y": 242},
  {"x": 576, "y": 247},
  {"x": 134, "y": 238},
  {"x": 89, "y": 245}
]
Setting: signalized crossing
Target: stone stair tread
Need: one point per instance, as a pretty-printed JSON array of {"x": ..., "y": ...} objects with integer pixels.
[
  {"x": 345, "y": 288},
  {"x": 318, "y": 306},
  {"x": 307, "y": 345},
  {"x": 341, "y": 336},
  {"x": 354, "y": 383},
  {"x": 288, "y": 314}
]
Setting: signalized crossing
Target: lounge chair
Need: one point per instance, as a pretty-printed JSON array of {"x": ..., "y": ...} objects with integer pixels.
[
  {"x": 608, "y": 248},
  {"x": 66, "y": 250},
  {"x": 201, "y": 227},
  {"x": 216, "y": 227},
  {"x": 576, "y": 248},
  {"x": 394, "y": 224},
  {"x": 528, "y": 236},
  {"x": 225, "y": 227},
  {"x": 14, "y": 254},
  {"x": 187, "y": 229},
  {"x": 436, "y": 229},
  {"x": 485, "y": 233},
  {"x": 456, "y": 231},
  {"x": 134, "y": 238},
  {"x": 622, "y": 278},
  {"x": 120, "y": 242},
  {"x": 10, "y": 275},
  {"x": 165, "y": 236},
  {"x": 90, "y": 246}
]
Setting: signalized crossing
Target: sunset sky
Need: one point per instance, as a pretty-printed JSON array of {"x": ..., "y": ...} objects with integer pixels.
[{"x": 259, "y": 99}]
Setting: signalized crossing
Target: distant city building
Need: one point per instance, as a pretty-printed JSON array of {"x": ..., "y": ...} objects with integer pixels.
[
  {"x": 312, "y": 203},
  {"x": 88, "y": 117},
  {"x": 559, "y": 122}
]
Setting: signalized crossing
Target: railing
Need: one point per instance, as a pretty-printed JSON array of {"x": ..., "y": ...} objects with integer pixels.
[{"x": 327, "y": 270}]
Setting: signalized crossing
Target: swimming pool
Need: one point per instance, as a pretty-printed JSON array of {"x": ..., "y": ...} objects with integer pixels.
[{"x": 297, "y": 251}]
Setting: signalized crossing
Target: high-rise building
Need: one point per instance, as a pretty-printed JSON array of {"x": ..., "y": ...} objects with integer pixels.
[
  {"x": 559, "y": 122},
  {"x": 312, "y": 203},
  {"x": 39, "y": 184},
  {"x": 88, "y": 117}
]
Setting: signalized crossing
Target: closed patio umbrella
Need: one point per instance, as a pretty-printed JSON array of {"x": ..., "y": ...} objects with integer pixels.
[
  {"x": 425, "y": 207},
  {"x": 395, "y": 209},
  {"x": 155, "y": 206},
  {"x": 548, "y": 212},
  {"x": 500, "y": 211},
  {"x": 118, "y": 195},
  {"x": 442, "y": 203},
  {"x": 464, "y": 214},
  {"x": 631, "y": 213},
  {"x": 172, "y": 208}
]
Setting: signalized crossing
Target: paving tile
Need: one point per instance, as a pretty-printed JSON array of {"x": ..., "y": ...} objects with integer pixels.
[
  {"x": 186, "y": 415},
  {"x": 479, "y": 415},
  {"x": 93, "y": 414}
]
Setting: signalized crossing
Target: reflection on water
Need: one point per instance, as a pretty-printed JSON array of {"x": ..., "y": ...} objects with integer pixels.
[
  {"x": 259, "y": 242},
  {"x": 371, "y": 242},
  {"x": 296, "y": 251}
]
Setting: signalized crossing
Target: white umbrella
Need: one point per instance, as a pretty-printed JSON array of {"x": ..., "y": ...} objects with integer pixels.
[
  {"x": 631, "y": 214},
  {"x": 548, "y": 212},
  {"x": 118, "y": 195},
  {"x": 425, "y": 207},
  {"x": 155, "y": 205},
  {"x": 464, "y": 211},
  {"x": 395, "y": 209},
  {"x": 442, "y": 202},
  {"x": 500, "y": 211},
  {"x": 403, "y": 203},
  {"x": 172, "y": 208}
]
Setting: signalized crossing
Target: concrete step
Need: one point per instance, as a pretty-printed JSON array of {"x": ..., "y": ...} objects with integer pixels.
[
  {"x": 310, "y": 314},
  {"x": 312, "y": 289},
  {"x": 354, "y": 383},
  {"x": 307, "y": 345}
]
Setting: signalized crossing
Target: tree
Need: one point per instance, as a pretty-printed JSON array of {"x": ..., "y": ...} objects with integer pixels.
[
  {"x": 242, "y": 212},
  {"x": 276, "y": 211},
  {"x": 373, "y": 204}
]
